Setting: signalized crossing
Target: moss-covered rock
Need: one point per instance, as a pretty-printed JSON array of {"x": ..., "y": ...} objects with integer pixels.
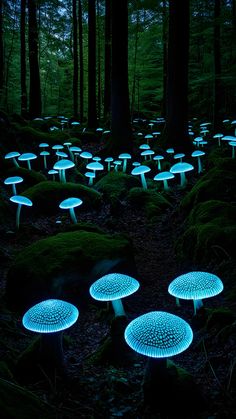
[
  {"x": 46, "y": 196},
  {"x": 18, "y": 403},
  {"x": 153, "y": 202},
  {"x": 30, "y": 177},
  {"x": 64, "y": 266},
  {"x": 30, "y": 137},
  {"x": 220, "y": 212},
  {"x": 116, "y": 185},
  {"x": 217, "y": 184}
]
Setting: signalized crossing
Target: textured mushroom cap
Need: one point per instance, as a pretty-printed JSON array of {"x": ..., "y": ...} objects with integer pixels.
[
  {"x": 195, "y": 286},
  {"x": 198, "y": 153},
  {"x": 27, "y": 156},
  {"x": 158, "y": 334},
  {"x": 181, "y": 167},
  {"x": 70, "y": 203},
  {"x": 164, "y": 176},
  {"x": 50, "y": 316},
  {"x": 13, "y": 179},
  {"x": 12, "y": 154},
  {"x": 140, "y": 169},
  {"x": 22, "y": 200},
  {"x": 113, "y": 287},
  {"x": 63, "y": 164},
  {"x": 95, "y": 166}
]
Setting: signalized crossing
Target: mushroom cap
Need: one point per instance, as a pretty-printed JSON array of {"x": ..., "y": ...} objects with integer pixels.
[
  {"x": 43, "y": 145},
  {"x": 13, "y": 180},
  {"x": 164, "y": 176},
  {"x": 181, "y": 167},
  {"x": 63, "y": 164},
  {"x": 198, "y": 153},
  {"x": 44, "y": 153},
  {"x": 90, "y": 174},
  {"x": 148, "y": 136},
  {"x": 158, "y": 157},
  {"x": 12, "y": 154},
  {"x": 179, "y": 155},
  {"x": 75, "y": 123},
  {"x": 61, "y": 154},
  {"x": 124, "y": 156},
  {"x": 50, "y": 316},
  {"x": 27, "y": 156},
  {"x": 195, "y": 286},
  {"x": 52, "y": 172},
  {"x": 138, "y": 170},
  {"x": 75, "y": 148},
  {"x": 228, "y": 138},
  {"x": 108, "y": 159},
  {"x": 148, "y": 152},
  {"x": 158, "y": 334},
  {"x": 86, "y": 155},
  {"x": 218, "y": 135},
  {"x": 170, "y": 150},
  {"x": 22, "y": 200},
  {"x": 95, "y": 165},
  {"x": 70, "y": 203},
  {"x": 198, "y": 139},
  {"x": 113, "y": 287},
  {"x": 144, "y": 147},
  {"x": 57, "y": 147}
]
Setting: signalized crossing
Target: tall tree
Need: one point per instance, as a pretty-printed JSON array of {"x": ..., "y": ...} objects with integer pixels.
[
  {"x": 99, "y": 81},
  {"x": 120, "y": 110},
  {"x": 75, "y": 58},
  {"x": 176, "y": 132},
  {"x": 1, "y": 53},
  {"x": 23, "y": 59},
  {"x": 107, "y": 65},
  {"x": 35, "y": 104},
  {"x": 164, "y": 43},
  {"x": 132, "y": 106},
  {"x": 217, "y": 89},
  {"x": 92, "y": 106},
  {"x": 81, "y": 60}
]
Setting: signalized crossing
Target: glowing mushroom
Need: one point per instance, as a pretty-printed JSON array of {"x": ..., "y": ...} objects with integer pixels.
[
  {"x": 141, "y": 170},
  {"x": 62, "y": 165},
  {"x": 20, "y": 200},
  {"x": 113, "y": 287},
  {"x": 164, "y": 176},
  {"x": 13, "y": 180},
  {"x": 27, "y": 157},
  {"x": 50, "y": 318},
  {"x": 124, "y": 157},
  {"x": 71, "y": 204},
  {"x": 198, "y": 154},
  {"x": 12, "y": 155},
  {"x": 195, "y": 286},
  {"x": 181, "y": 168}
]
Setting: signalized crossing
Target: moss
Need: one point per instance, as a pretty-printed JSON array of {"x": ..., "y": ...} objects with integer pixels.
[
  {"x": 64, "y": 266},
  {"x": 204, "y": 242},
  {"x": 28, "y": 136},
  {"x": 31, "y": 177},
  {"x": 17, "y": 402},
  {"x": 116, "y": 184},
  {"x": 221, "y": 212},
  {"x": 151, "y": 201},
  {"x": 215, "y": 185},
  {"x": 46, "y": 196}
]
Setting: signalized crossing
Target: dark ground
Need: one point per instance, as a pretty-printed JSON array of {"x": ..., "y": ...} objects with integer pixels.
[{"x": 107, "y": 391}]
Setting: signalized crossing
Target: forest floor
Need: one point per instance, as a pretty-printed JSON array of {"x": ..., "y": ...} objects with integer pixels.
[{"x": 107, "y": 391}]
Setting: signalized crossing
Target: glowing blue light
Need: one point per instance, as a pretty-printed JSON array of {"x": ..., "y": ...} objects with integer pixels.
[
  {"x": 158, "y": 334},
  {"x": 195, "y": 286},
  {"x": 50, "y": 316},
  {"x": 113, "y": 286}
]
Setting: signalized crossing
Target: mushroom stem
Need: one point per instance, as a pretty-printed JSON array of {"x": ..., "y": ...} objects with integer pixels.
[
  {"x": 143, "y": 180},
  {"x": 90, "y": 181},
  {"x": 199, "y": 164},
  {"x": 15, "y": 162},
  {"x": 177, "y": 302},
  {"x": 45, "y": 162},
  {"x": 63, "y": 176},
  {"x": 51, "y": 351},
  {"x": 14, "y": 189},
  {"x": 28, "y": 164},
  {"x": 124, "y": 165},
  {"x": 73, "y": 216},
  {"x": 197, "y": 304},
  {"x": 18, "y": 211},
  {"x": 166, "y": 186},
  {"x": 182, "y": 179},
  {"x": 118, "y": 308}
]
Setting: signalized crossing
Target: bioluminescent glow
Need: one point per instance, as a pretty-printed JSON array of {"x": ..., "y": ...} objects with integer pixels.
[
  {"x": 158, "y": 334},
  {"x": 50, "y": 316},
  {"x": 113, "y": 286}
]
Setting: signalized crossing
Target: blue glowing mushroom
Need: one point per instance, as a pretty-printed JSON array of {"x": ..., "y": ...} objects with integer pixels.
[
  {"x": 141, "y": 170},
  {"x": 181, "y": 168},
  {"x": 164, "y": 176},
  {"x": 50, "y": 318},
  {"x": 13, "y": 180},
  {"x": 158, "y": 335},
  {"x": 13, "y": 155},
  {"x": 62, "y": 165},
  {"x": 27, "y": 157},
  {"x": 71, "y": 204},
  {"x": 125, "y": 157},
  {"x": 198, "y": 154},
  {"x": 20, "y": 200},
  {"x": 195, "y": 286},
  {"x": 112, "y": 287}
]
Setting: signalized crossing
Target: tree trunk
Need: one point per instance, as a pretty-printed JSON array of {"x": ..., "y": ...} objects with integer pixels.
[
  {"x": 92, "y": 112},
  {"x": 164, "y": 43},
  {"x": 75, "y": 59},
  {"x": 98, "y": 62},
  {"x": 23, "y": 59},
  {"x": 2, "y": 66},
  {"x": 135, "y": 63},
  {"x": 176, "y": 133},
  {"x": 81, "y": 62},
  {"x": 217, "y": 92},
  {"x": 35, "y": 104},
  {"x": 107, "y": 75},
  {"x": 120, "y": 111}
]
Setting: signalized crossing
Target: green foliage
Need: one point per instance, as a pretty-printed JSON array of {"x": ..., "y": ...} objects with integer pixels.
[
  {"x": 46, "y": 196},
  {"x": 115, "y": 185},
  {"x": 151, "y": 201},
  {"x": 31, "y": 177}
]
